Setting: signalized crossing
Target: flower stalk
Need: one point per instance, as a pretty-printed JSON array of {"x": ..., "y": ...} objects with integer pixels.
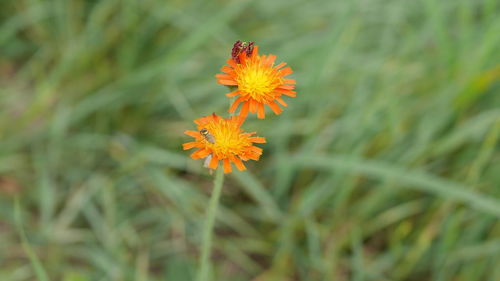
[{"x": 204, "y": 272}]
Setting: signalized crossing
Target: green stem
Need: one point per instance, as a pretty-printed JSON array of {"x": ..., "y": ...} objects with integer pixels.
[
  {"x": 206, "y": 244},
  {"x": 40, "y": 272}
]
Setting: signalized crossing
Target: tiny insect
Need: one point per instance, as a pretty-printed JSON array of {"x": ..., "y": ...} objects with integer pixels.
[
  {"x": 206, "y": 134},
  {"x": 210, "y": 138},
  {"x": 241, "y": 47}
]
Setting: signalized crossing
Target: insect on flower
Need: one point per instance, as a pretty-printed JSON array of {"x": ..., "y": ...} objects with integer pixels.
[
  {"x": 256, "y": 80},
  {"x": 210, "y": 138},
  {"x": 206, "y": 134},
  {"x": 241, "y": 47},
  {"x": 220, "y": 139}
]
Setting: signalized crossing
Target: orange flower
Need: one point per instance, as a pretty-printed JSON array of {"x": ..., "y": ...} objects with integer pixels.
[
  {"x": 223, "y": 139},
  {"x": 258, "y": 82}
]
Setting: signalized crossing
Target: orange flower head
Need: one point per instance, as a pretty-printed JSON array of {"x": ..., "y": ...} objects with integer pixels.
[
  {"x": 258, "y": 81},
  {"x": 223, "y": 139}
]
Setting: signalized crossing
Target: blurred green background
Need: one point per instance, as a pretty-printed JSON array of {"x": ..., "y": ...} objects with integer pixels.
[{"x": 385, "y": 167}]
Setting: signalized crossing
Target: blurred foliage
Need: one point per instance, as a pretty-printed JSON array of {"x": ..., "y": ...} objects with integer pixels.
[{"x": 385, "y": 166}]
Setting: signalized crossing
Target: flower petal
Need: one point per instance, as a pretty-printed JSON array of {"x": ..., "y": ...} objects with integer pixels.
[
  {"x": 237, "y": 162},
  {"x": 255, "y": 51},
  {"x": 285, "y": 71},
  {"x": 214, "y": 162},
  {"x": 232, "y": 63},
  {"x": 223, "y": 76},
  {"x": 227, "y": 82},
  {"x": 235, "y": 104},
  {"x": 270, "y": 60},
  {"x": 253, "y": 156},
  {"x": 194, "y": 134},
  {"x": 255, "y": 149},
  {"x": 244, "y": 110},
  {"x": 258, "y": 139},
  {"x": 261, "y": 113},
  {"x": 226, "y": 69},
  {"x": 189, "y": 145},
  {"x": 276, "y": 108},
  {"x": 233, "y": 94},
  {"x": 282, "y": 102},
  {"x": 280, "y": 65},
  {"x": 287, "y": 92},
  {"x": 286, "y": 87},
  {"x": 201, "y": 153},
  {"x": 227, "y": 166},
  {"x": 253, "y": 106}
]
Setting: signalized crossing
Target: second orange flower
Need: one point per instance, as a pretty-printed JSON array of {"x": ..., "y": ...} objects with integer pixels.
[
  {"x": 256, "y": 80},
  {"x": 220, "y": 139}
]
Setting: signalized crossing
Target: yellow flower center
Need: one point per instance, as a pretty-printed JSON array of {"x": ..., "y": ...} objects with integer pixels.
[
  {"x": 228, "y": 138},
  {"x": 257, "y": 80}
]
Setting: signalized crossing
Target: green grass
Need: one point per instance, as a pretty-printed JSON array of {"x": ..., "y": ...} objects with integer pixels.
[{"x": 384, "y": 167}]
